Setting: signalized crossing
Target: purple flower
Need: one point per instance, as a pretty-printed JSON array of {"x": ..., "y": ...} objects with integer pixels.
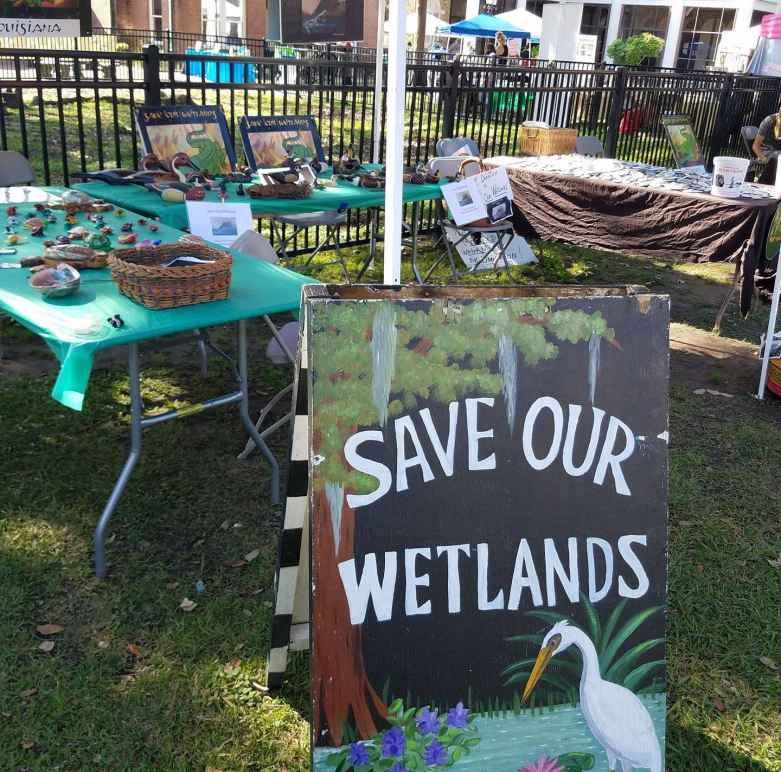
[
  {"x": 435, "y": 755},
  {"x": 398, "y": 768},
  {"x": 427, "y": 720},
  {"x": 393, "y": 743},
  {"x": 456, "y": 717},
  {"x": 358, "y": 755}
]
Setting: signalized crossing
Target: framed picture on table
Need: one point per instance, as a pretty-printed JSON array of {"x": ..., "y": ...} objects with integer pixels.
[
  {"x": 269, "y": 140},
  {"x": 683, "y": 142},
  {"x": 200, "y": 132}
]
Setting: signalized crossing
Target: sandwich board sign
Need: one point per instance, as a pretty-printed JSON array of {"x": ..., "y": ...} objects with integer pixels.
[{"x": 487, "y": 504}]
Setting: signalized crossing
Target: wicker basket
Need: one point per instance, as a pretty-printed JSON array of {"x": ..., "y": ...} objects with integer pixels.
[
  {"x": 139, "y": 274},
  {"x": 537, "y": 141},
  {"x": 280, "y": 190}
]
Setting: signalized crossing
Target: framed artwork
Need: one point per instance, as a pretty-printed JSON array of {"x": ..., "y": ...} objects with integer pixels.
[
  {"x": 270, "y": 140},
  {"x": 45, "y": 18},
  {"x": 201, "y": 132},
  {"x": 315, "y": 21},
  {"x": 683, "y": 141}
]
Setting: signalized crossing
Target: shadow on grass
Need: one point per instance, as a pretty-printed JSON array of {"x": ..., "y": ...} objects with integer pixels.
[{"x": 690, "y": 750}]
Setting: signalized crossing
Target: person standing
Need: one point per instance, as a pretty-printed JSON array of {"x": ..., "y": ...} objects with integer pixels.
[{"x": 500, "y": 48}]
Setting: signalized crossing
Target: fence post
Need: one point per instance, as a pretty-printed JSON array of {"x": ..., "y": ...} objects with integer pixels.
[
  {"x": 720, "y": 134},
  {"x": 451, "y": 99},
  {"x": 616, "y": 107},
  {"x": 152, "y": 75}
]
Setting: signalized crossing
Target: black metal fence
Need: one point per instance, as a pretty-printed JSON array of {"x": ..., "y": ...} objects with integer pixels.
[{"x": 74, "y": 110}]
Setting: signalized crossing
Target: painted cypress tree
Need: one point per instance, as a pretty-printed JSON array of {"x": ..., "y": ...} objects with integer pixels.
[{"x": 370, "y": 362}]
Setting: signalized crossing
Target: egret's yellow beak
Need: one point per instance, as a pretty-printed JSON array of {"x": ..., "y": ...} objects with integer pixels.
[{"x": 543, "y": 658}]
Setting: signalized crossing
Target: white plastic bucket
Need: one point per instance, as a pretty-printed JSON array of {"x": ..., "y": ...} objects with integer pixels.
[{"x": 728, "y": 176}]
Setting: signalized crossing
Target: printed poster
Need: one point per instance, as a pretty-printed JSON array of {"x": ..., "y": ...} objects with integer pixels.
[{"x": 488, "y": 503}]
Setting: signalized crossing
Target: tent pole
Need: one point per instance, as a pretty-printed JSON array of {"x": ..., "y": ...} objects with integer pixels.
[
  {"x": 378, "y": 73},
  {"x": 394, "y": 141},
  {"x": 771, "y": 331}
]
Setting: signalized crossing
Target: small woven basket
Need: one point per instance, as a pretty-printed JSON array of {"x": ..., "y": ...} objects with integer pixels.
[
  {"x": 139, "y": 274},
  {"x": 280, "y": 190},
  {"x": 539, "y": 141}
]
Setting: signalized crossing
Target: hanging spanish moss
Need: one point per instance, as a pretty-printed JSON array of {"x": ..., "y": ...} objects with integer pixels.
[
  {"x": 334, "y": 494},
  {"x": 593, "y": 364},
  {"x": 508, "y": 366},
  {"x": 383, "y": 347}
]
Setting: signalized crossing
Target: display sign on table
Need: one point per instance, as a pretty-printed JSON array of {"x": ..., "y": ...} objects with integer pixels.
[
  {"x": 473, "y": 255},
  {"x": 269, "y": 140},
  {"x": 315, "y": 21},
  {"x": 487, "y": 195},
  {"x": 488, "y": 507},
  {"x": 45, "y": 18},
  {"x": 683, "y": 141},
  {"x": 199, "y": 131},
  {"x": 218, "y": 222}
]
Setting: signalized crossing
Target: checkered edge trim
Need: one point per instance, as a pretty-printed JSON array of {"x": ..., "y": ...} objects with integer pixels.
[{"x": 292, "y": 533}]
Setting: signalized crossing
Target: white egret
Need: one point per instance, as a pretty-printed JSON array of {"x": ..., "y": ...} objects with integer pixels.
[{"x": 616, "y": 717}]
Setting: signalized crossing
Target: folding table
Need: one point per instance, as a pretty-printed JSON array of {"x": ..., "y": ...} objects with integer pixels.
[{"x": 77, "y": 327}]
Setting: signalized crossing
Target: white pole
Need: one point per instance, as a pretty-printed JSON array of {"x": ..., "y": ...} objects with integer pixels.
[
  {"x": 378, "y": 74},
  {"x": 394, "y": 140},
  {"x": 771, "y": 330}
]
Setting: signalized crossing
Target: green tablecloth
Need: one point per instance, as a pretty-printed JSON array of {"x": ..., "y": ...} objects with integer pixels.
[
  {"x": 76, "y": 327},
  {"x": 146, "y": 202}
]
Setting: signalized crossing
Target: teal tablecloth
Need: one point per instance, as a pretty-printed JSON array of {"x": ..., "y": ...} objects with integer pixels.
[
  {"x": 146, "y": 202},
  {"x": 76, "y": 327}
]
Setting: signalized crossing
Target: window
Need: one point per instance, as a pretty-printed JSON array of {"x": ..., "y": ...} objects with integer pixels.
[
  {"x": 156, "y": 15},
  {"x": 700, "y": 34},
  {"x": 636, "y": 19},
  {"x": 594, "y": 22}
]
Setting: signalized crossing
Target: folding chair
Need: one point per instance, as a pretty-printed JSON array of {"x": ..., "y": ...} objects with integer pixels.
[
  {"x": 590, "y": 146},
  {"x": 15, "y": 169},
  {"x": 448, "y": 146},
  {"x": 281, "y": 349},
  {"x": 300, "y": 222},
  {"x": 748, "y": 134}
]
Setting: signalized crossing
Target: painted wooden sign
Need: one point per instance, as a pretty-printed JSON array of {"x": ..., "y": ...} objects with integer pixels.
[{"x": 488, "y": 510}]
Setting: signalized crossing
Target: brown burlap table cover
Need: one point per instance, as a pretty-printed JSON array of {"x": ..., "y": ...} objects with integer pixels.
[{"x": 650, "y": 222}]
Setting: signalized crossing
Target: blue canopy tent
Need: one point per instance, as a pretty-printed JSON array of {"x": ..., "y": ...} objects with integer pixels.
[{"x": 484, "y": 26}]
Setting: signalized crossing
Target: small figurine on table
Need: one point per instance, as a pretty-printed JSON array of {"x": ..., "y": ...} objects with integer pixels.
[{"x": 223, "y": 191}]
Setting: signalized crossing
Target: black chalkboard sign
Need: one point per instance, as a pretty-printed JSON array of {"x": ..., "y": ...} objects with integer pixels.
[{"x": 488, "y": 477}]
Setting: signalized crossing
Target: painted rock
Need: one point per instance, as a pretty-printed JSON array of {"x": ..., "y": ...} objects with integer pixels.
[
  {"x": 120, "y": 213},
  {"x": 52, "y": 218},
  {"x": 142, "y": 222},
  {"x": 13, "y": 238},
  {"x": 126, "y": 227},
  {"x": 71, "y": 219},
  {"x": 154, "y": 227},
  {"x": 195, "y": 194},
  {"x": 172, "y": 196},
  {"x": 98, "y": 241},
  {"x": 127, "y": 238},
  {"x": 106, "y": 230},
  {"x": 78, "y": 233},
  {"x": 62, "y": 240},
  {"x": 11, "y": 211},
  {"x": 49, "y": 243},
  {"x": 34, "y": 224}
]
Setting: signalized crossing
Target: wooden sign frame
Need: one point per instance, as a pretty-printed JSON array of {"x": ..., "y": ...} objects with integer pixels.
[{"x": 623, "y": 334}]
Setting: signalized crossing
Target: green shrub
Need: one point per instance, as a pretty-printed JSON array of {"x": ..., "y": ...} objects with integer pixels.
[{"x": 634, "y": 50}]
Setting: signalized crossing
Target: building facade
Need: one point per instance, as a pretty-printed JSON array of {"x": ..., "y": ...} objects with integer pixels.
[
  {"x": 225, "y": 18},
  {"x": 691, "y": 29}
]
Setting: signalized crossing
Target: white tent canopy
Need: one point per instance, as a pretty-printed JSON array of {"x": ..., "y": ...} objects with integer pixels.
[
  {"x": 432, "y": 24},
  {"x": 524, "y": 20}
]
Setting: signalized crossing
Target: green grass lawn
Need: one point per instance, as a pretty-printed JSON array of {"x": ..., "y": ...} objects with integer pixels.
[{"x": 135, "y": 683}]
